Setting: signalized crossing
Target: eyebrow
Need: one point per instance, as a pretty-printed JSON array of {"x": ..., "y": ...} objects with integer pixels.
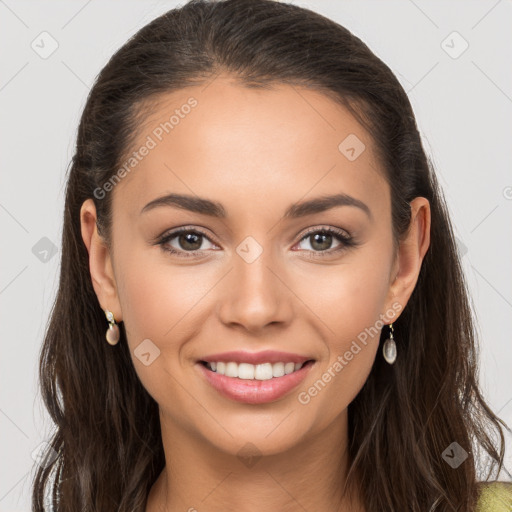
[{"x": 296, "y": 210}]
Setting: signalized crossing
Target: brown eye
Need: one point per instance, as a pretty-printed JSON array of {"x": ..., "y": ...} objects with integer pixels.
[
  {"x": 322, "y": 240},
  {"x": 187, "y": 242},
  {"x": 190, "y": 241}
]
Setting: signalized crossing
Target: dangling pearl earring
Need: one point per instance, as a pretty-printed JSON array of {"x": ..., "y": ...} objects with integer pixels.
[
  {"x": 389, "y": 347},
  {"x": 112, "y": 334}
]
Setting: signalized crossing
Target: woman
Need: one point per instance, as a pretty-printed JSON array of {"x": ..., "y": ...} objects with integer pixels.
[{"x": 261, "y": 305}]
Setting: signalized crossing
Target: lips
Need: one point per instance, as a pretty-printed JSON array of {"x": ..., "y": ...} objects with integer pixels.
[{"x": 254, "y": 391}]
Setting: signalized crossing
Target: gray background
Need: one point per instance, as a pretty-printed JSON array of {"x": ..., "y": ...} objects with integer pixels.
[{"x": 463, "y": 105}]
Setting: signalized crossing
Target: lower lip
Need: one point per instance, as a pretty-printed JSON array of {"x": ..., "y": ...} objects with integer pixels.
[{"x": 255, "y": 391}]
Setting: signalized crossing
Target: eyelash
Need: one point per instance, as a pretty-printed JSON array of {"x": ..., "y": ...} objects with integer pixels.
[{"x": 346, "y": 241}]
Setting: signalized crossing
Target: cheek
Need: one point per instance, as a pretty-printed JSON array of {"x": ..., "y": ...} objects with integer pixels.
[
  {"x": 342, "y": 373},
  {"x": 157, "y": 303},
  {"x": 347, "y": 298},
  {"x": 162, "y": 303},
  {"x": 349, "y": 302},
  {"x": 156, "y": 296}
]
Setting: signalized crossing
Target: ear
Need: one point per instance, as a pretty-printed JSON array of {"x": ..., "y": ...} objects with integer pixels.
[
  {"x": 410, "y": 254},
  {"x": 100, "y": 263}
]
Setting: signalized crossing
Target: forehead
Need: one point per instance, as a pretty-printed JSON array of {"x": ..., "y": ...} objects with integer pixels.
[{"x": 258, "y": 147}]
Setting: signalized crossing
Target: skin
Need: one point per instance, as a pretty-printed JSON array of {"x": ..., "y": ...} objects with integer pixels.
[{"x": 256, "y": 152}]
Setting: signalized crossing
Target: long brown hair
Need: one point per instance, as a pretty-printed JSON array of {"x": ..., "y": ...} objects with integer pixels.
[{"x": 107, "y": 440}]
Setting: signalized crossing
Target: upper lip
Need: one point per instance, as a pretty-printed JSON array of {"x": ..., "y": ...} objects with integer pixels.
[{"x": 266, "y": 356}]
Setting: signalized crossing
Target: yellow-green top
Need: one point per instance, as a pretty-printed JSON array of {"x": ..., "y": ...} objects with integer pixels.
[{"x": 495, "y": 497}]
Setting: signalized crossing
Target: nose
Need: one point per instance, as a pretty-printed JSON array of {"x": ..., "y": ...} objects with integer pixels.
[{"x": 255, "y": 294}]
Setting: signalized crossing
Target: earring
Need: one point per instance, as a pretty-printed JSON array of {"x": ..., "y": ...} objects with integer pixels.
[
  {"x": 112, "y": 334},
  {"x": 389, "y": 347}
]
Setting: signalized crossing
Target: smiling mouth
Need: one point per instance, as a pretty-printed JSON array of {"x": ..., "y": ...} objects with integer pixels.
[{"x": 246, "y": 371}]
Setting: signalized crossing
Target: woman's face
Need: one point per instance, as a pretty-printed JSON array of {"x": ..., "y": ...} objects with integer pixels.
[{"x": 245, "y": 276}]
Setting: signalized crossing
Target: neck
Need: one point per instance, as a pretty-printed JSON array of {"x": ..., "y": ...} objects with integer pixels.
[{"x": 307, "y": 476}]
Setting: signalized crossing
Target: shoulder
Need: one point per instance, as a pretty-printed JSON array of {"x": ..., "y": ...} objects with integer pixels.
[{"x": 495, "y": 497}]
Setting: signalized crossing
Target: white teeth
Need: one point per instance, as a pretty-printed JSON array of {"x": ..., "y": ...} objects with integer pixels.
[
  {"x": 278, "y": 370},
  {"x": 231, "y": 370},
  {"x": 289, "y": 368},
  {"x": 246, "y": 371},
  {"x": 264, "y": 371}
]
